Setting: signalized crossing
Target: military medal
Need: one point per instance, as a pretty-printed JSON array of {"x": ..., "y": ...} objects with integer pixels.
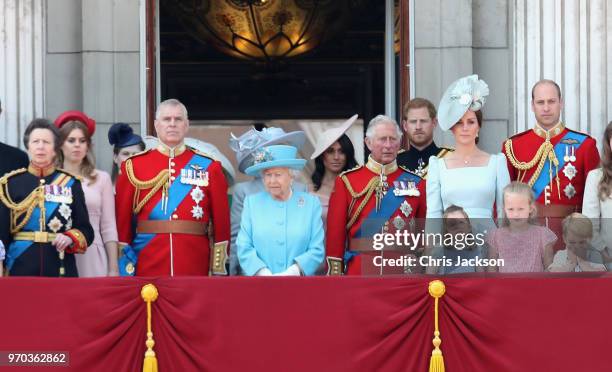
[
  {"x": 197, "y": 194},
  {"x": 566, "y": 158},
  {"x": 412, "y": 189},
  {"x": 406, "y": 208},
  {"x": 195, "y": 176},
  {"x": 569, "y": 191},
  {"x": 55, "y": 224},
  {"x": 570, "y": 171},
  {"x": 65, "y": 211},
  {"x": 130, "y": 269},
  {"x": 573, "y": 155},
  {"x": 405, "y": 189},
  {"x": 399, "y": 223},
  {"x": 197, "y": 212},
  {"x": 58, "y": 194},
  {"x": 399, "y": 188}
]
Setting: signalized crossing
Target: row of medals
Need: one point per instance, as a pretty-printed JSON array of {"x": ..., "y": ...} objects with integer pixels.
[
  {"x": 401, "y": 188},
  {"x": 62, "y": 195},
  {"x": 569, "y": 170}
]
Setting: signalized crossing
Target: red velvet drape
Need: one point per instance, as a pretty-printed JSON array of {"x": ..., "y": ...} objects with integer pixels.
[{"x": 500, "y": 323}]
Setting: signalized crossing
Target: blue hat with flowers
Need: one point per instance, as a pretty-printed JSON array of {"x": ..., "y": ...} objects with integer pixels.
[
  {"x": 122, "y": 135},
  {"x": 467, "y": 93},
  {"x": 275, "y": 156}
]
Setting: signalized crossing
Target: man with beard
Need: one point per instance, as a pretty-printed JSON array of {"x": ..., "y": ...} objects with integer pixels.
[{"x": 419, "y": 122}]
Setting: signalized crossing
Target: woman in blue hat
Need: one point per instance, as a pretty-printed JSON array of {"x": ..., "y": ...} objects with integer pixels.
[
  {"x": 125, "y": 144},
  {"x": 468, "y": 177},
  {"x": 281, "y": 231}
]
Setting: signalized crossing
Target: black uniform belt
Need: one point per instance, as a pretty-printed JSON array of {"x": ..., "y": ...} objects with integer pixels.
[
  {"x": 35, "y": 236},
  {"x": 172, "y": 227}
]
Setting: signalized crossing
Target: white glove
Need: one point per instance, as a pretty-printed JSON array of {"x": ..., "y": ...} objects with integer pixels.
[
  {"x": 264, "y": 272},
  {"x": 293, "y": 270}
]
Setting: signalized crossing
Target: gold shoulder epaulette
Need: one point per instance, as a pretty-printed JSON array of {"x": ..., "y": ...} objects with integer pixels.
[
  {"x": 10, "y": 174},
  {"x": 444, "y": 151},
  {"x": 351, "y": 170},
  {"x": 201, "y": 153},
  {"x": 400, "y": 151},
  {"x": 138, "y": 154},
  {"x": 70, "y": 174},
  {"x": 520, "y": 134}
]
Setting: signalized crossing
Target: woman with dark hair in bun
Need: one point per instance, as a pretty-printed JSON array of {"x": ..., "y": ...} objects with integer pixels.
[
  {"x": 334, "y": 153},
  {"x": 125, "y": 144}
]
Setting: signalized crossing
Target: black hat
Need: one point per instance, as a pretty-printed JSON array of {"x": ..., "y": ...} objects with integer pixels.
[{"x": 121, "y": 135}]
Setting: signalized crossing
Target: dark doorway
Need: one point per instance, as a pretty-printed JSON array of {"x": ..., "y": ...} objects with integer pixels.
[{"x": 342, "y": 77}]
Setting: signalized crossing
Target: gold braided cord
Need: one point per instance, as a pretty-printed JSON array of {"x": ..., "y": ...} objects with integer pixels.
[
  {"x": 367, "y": 191},
  {"x": 26, "y": 206},
  {"x": 155, "y": 183},
  {"x": 546, "y": 151}
]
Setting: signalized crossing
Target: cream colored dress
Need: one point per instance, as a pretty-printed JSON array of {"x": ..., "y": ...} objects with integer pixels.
[{"x": 600, "y": 213}]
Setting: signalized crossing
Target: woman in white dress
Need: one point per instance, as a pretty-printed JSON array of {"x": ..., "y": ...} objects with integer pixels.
[
  {"x": 597, "y": 202},
  {"x": 467, "y": 177}
]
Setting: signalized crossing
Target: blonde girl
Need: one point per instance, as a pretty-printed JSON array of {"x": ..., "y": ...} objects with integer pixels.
[{"x": 520, "y": 242}]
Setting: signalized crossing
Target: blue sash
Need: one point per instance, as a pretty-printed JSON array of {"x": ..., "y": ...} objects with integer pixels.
[
  {"x": 374, "y": 222},
  {"x": 543, "y": 180},
  {"x": 17, "y": 247},
  {"x": 176, "y": 194}
]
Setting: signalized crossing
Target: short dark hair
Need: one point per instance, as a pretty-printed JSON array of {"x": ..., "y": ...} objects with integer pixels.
[
  {"x": 41, "y": 123},
  {"x": 546, "y": 81},
  {"x": 417, "y": 103}
]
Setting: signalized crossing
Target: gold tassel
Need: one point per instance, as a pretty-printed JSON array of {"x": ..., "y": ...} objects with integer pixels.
[
  {"x": 149, "y": 294},
  {"x": 436, "y": 363}
]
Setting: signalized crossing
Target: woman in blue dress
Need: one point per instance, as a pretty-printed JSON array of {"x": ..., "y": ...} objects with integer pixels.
[
  {"x": 467, "y": 177},
  {"x": 281, "y": 231}
]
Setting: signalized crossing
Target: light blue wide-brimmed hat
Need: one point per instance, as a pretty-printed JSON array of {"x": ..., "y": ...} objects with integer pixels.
[
  {"x": 245, "y": 145},
  {"x": 275, "y": 156},
  {"x": 467, "y": 93}
]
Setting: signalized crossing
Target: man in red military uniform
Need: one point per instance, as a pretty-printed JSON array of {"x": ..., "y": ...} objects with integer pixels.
[
  {"x": 551, "y": 158},
  {"x": 174, "y": 197},
  {"x": 378, "y": 198}
]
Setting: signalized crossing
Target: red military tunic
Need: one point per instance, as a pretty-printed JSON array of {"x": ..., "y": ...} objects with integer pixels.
[
  {"x": 523, "y": 148},
  {"x": 172, "y": 234},
  {"x": 350, "y": 207},
  {"x": 559, "y": 188}
]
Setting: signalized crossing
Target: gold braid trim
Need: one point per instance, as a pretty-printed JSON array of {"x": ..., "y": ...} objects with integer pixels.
[
  {"x": 367, "y": 191},
  {"x": 546, "y": 151},
  {"x": 26, "y": 206},
  {"x": 158, "y": 182}
]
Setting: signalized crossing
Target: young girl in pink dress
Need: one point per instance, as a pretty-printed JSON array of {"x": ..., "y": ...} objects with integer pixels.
[{"x": 520, "y": 242}]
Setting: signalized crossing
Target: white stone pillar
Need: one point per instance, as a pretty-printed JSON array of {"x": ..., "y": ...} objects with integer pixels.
[
  {"x": 21, "y": 66},
  {"x": 566, "y": 41}
]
